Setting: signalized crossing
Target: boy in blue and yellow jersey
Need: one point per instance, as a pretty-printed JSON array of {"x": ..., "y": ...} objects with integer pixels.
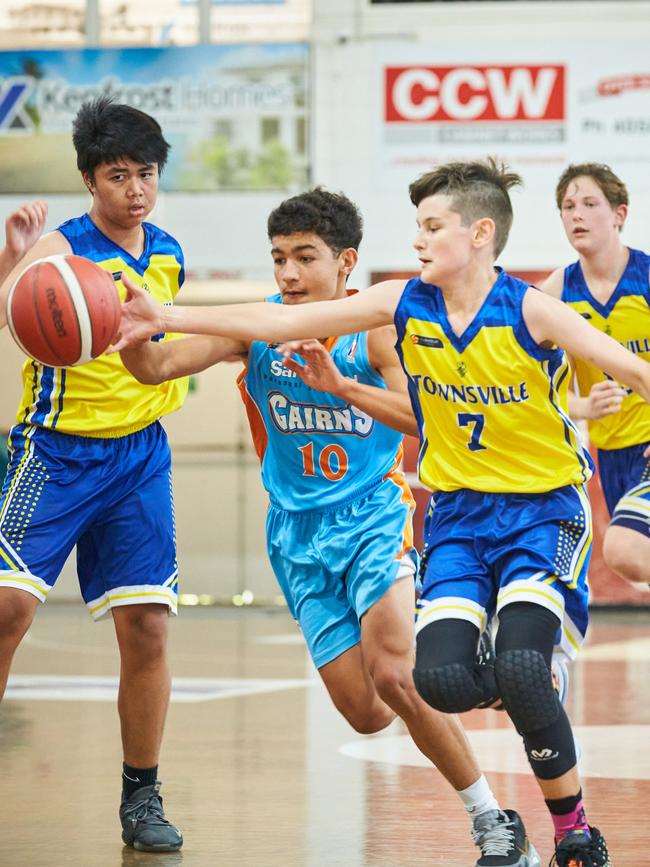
[
  {"x": 90, "y": 465},
  {"x": 339, "y": 530},
  {"x": 509, "y": 529},
  {"x": 608, "y": 286}
]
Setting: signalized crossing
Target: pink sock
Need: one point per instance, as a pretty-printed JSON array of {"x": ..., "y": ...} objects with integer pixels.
[{"x": 576, "y": 820}]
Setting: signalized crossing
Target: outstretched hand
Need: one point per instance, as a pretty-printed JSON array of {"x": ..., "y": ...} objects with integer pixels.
[
  {"x": 142, "y": 317},
  {"x": 24, "y": 227},
  {"x": 318, "y": 371}
]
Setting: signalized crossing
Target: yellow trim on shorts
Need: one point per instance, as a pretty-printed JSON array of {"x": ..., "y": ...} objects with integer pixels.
[
  {"x": 169, "y": 597},
  {"x": 528, "y": 589},
  {"x": 16, "y": 476},
  {"x": 8, "y": 576},
  {"x": 431, "y": 607},
  {"x": 570, "y": 638},
  {"x": 7, "y": 560}
]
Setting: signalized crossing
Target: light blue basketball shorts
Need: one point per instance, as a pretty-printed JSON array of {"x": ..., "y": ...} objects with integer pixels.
[{"x": 334, "y": 565}]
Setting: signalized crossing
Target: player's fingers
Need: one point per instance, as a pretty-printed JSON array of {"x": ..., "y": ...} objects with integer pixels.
[
  {"x": 292, "y": 365},
  {"x": 40, "y": 211},
  {"x": 602, "y": 409},
  {"x": 132, "y": 291},
  {"x": 293, "y": 346},
  {"x": 287, "y": 348},
  {"x": 646, "y": 453},
  {"x": 607, "y": 387},
  {"x": 115, "y": 347},
  {"x": 605, "y": 399},
  {"x": 19, "y": 216}
]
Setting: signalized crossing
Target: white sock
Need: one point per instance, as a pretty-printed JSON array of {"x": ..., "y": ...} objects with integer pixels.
[{"x": 478, "y": 797}]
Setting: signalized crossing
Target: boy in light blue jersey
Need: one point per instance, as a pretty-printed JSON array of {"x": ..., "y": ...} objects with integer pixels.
[
  {"x": 609, "y": 287},
  {"x": 339, "y": 523}
]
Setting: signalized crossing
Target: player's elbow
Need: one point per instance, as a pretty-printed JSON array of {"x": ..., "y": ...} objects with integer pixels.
[
  {"x": 639, "y": 380},
  {"x": 144, "y": 374}
]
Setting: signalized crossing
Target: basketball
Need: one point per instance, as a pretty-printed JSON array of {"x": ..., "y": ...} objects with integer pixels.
[{"x": 63, "y": 310}]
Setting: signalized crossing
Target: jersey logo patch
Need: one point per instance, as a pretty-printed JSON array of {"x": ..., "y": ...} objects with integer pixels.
[
  {"x": 352, "y": 351},
  {"x": 430, "y": 342}
]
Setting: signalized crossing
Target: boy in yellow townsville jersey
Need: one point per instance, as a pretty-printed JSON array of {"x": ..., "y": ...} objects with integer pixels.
[
  {"x": 90, "y": 465},
  {"x": 339, "y": 532},
  {"x": 509, "y": 528},
  {"x": 608, "y": 286}
]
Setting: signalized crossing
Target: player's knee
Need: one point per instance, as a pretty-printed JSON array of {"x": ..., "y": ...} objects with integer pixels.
[
  {"x": 628, "y": 561},
  {"x": 394, "y": 683},
  {"x": 17, "y": 610},
  {"x": 366, "y": 719},
  {"x": 526, "y": 689},
  {"x": 143, "y": 631},
  {"x": 449, "y": 688}
]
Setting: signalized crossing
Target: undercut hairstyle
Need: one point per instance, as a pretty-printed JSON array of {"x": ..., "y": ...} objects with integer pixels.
[
  {"x": 612, "y": 186},
  {"x": 104, "y": 131},
  {"x": 331, "y": 216},
  {"x": 477, "y": 190}
]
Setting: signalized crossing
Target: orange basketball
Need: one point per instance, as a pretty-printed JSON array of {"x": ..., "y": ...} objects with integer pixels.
[{"x": 63, "y": 310}]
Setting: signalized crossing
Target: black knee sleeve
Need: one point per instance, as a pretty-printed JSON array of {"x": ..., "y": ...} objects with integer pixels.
[
  {"x": 531, "y": 701},
  {"x": 526, "y": 689},
  {"x": 551, "y": 751},
  {"x": 446, "y": 674},
  {"x": 449, "y": 688}
]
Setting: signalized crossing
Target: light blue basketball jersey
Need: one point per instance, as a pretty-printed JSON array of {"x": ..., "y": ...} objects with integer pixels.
[{"x": 317, "y": 451}]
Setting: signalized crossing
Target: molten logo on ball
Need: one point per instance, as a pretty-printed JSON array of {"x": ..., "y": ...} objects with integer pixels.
[
  {"x": 57, "y": 313},
  {"x": 64, "y": 310}
]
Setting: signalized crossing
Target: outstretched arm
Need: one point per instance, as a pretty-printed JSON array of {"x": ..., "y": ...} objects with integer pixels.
[
  {"x": 274, "y": 323},
  {"x": 23, "y": 228},
  {"x": 552, "y": 322},
  {"x": 153, "y": 363},
  {"x": 391, "y": 406}
]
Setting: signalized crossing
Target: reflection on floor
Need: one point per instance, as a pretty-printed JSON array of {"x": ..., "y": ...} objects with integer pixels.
[{"x": 260, "y": 771}]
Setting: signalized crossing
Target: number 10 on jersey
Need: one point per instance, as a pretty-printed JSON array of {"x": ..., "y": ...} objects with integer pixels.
[{"x": 331, "y": 462}]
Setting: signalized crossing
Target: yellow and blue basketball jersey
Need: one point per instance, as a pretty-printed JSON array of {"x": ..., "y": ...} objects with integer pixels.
[
  {"x": 101, "y": 398},
  {"x": 626, "y": 318},
  {"x": 317, "y": 451},
  {"x": 491, "y": 404}
]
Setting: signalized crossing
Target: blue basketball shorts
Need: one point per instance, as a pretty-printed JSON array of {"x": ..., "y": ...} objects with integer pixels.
[
  {"x": 625, "y": 480},
  {"x": 112, "y": 498},
  {"x": 484, "y": 551},
  {"x": 332, "y": 566}
]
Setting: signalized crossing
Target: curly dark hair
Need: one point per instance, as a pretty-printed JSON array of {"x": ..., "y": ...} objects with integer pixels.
[
  {"x": 104, "y": 130},
  {"x": 477, "y": 189},
  {"x": 331, "y": 216}
]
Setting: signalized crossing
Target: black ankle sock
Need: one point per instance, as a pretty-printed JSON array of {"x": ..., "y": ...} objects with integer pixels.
[
  {"x": 136, "y": 778},
  {"x": 562, "y": 806}
]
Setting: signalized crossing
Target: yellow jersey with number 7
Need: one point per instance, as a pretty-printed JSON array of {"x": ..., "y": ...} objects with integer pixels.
[{"x": 491, "y": 403}]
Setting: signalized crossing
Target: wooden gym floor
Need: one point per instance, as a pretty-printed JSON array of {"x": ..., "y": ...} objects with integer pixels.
[{"x": 260, "y": 771}]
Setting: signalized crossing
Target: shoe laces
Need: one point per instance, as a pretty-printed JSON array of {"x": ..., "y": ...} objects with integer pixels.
[
  {"x": 496, "y": 838},
  {"x": 573, "y": 856},
  {"x": 149, "y": 809}
]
